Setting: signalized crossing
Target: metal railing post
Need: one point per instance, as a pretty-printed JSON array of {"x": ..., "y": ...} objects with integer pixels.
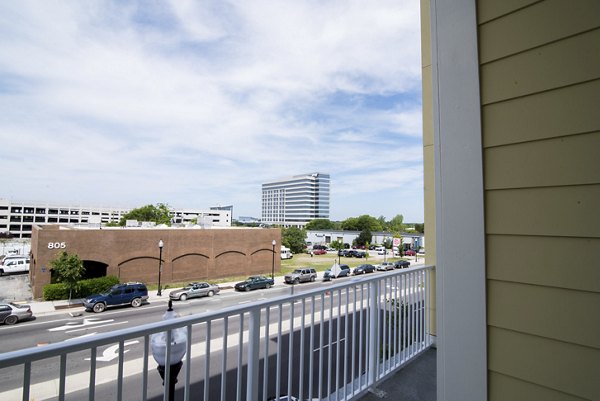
[
  {"x": 373, "y": 331},
  {"x": 253, "y": 355}
]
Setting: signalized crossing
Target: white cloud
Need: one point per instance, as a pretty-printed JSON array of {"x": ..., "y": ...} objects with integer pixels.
[{"x": 198, "y": 103}]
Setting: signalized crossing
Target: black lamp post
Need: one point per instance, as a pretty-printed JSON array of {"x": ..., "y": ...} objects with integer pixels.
[
  {"x": 160, "y": 247},
  {"x": 178, "y": 349},
  {"x": 273, "y": 264}
]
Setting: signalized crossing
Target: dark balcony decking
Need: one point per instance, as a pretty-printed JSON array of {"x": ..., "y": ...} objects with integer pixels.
[{"x": 415, "y": 382}]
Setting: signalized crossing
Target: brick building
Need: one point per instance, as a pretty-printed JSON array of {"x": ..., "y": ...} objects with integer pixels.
[{"x": 133, "y": 254}]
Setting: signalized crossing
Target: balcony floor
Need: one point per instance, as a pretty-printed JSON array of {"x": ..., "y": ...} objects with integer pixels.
[{"x": 414, "y": 382}]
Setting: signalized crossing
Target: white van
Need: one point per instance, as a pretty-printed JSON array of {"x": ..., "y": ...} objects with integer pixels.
[
  {"x": 286, "y": 253},
  {"x": 15, "y": 265}
]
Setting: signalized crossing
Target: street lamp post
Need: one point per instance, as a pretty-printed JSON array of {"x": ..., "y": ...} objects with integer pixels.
[
  {"x": 273, "y": 264},
  {"x": 384, "y": 249},
  {"x": 178, "y": 348},
  {"x": 160, "y": 247}
]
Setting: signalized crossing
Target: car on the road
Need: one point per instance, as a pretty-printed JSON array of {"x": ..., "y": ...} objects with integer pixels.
[
  {"x": 301, "y": 276},
  {"x": 409, "y": 252},
  {"x": 11, "y": 313},
  {"x": 401, "y": 264},
  {"x": 254, "y": 283},
  {"x": 319, "y": 252},
  {"x": 195, "y": 290},
  {"x": 362, "y": 269},
  {"x": 385, "y": 266},
  {"x": 343, "y": 271},
  {"x": 133, "y": 294}
]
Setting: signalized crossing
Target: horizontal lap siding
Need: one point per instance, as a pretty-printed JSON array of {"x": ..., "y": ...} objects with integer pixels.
[
  {"x": 540, "y": 94},
  {"x": 556, "y": 365},
  {"x": 504, "y": 387}
]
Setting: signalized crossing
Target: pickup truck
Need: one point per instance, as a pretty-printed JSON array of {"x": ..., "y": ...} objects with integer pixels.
[{"x": 13, "y": 264}]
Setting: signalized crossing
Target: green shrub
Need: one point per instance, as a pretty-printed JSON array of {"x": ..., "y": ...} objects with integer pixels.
[
  {"x": 96, "y": 285},
  {"x": 55, "y": 291},
  {"x": 52, "y": 292}
]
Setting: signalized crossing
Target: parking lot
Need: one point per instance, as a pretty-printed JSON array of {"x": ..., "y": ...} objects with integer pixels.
[{"x": 15, "y": 287}]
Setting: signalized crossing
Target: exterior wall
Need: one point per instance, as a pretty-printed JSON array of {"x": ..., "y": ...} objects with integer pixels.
[
  {"x": 540, "y": 92},
  {"x": 428, "y": 154},
  {"x": 319, "y": 237},
  {"x": 133, "y": 254}
]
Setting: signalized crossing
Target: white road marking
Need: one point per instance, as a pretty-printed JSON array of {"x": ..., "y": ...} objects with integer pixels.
[
  {"x": 102, "y": 325},
  {"x": 86, "y": 322},
  {"x": 112, "y": 352}
]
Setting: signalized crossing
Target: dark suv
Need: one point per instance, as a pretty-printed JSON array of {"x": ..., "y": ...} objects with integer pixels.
[
  {"x": 120, "y": 294},
  {"x": 301, "y": 275}
]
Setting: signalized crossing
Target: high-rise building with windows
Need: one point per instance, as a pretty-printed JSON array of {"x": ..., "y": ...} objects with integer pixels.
[{"x": 296, "y": 200}]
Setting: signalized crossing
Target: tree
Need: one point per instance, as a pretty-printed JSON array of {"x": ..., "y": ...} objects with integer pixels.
[
  {"x": 68, "y": 269},
  {"x": 361, "y": 223},
  {"x": 363, "y": 238},
  {"x": 337, "y": 245},
  {"x": 320, "y": 224},
  {"x": 420, "y": 228},
  {"x": 294, "y": 238},
  {"x": 159, "y": 214},
  {"x": 396, "y": 224}
]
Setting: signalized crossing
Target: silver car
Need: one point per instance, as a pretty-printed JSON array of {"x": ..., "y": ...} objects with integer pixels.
[
  {"x": 195, "y": 290},
  {"x": 385, "y": 266},
  {"x": 11, "y": 313}
]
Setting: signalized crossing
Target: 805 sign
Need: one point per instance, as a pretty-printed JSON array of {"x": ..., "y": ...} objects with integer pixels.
[{"x": 57, "y": 245}]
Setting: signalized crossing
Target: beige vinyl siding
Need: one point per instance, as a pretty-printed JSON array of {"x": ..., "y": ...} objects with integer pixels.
[
  {"x": 571, "y": 110},
  {"x": 428, "y": 153},
  {"x": 508, "y": 388},
  {"x": 540, "y": 94},
  {"x": 562, "y": 262}
]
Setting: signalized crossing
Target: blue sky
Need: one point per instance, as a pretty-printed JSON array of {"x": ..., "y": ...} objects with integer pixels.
[{"x": 197, "y": 103}]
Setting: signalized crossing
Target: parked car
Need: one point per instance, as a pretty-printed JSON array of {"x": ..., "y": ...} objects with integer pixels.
[
  {"x": 319, "y": 252},
  {"x": 362, "y": 269},
  {"x": 195, "y": 290},
  {"x": 409, "y": 252},
  {"x": 133, "y": 294},
  {"x": 344, "y": 272},
  {"x": 340, "y": 271},
  {"x": 14, "y": 264},
  {"x": 254, "y": 283},
  {"x": 401, "y": 264},
  {"x": 301, "y": 276},
  {"x": 385, "y": 266},
  {"x": 11, "y": 313},
  {"x": 355, "y": 253}
]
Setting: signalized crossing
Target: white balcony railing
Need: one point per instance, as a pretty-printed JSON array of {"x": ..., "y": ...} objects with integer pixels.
[{"x": 325, "y": 344}]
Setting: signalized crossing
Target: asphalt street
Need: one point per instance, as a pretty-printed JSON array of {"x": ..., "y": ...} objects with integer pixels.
[{"x": 52, "y": 326}]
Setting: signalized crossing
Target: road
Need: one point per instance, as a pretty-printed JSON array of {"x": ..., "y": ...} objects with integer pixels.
[{"x": 57, "y": 328}]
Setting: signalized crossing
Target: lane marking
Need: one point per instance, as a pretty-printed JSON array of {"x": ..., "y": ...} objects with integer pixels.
[{"x": 95, "y": 327}]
